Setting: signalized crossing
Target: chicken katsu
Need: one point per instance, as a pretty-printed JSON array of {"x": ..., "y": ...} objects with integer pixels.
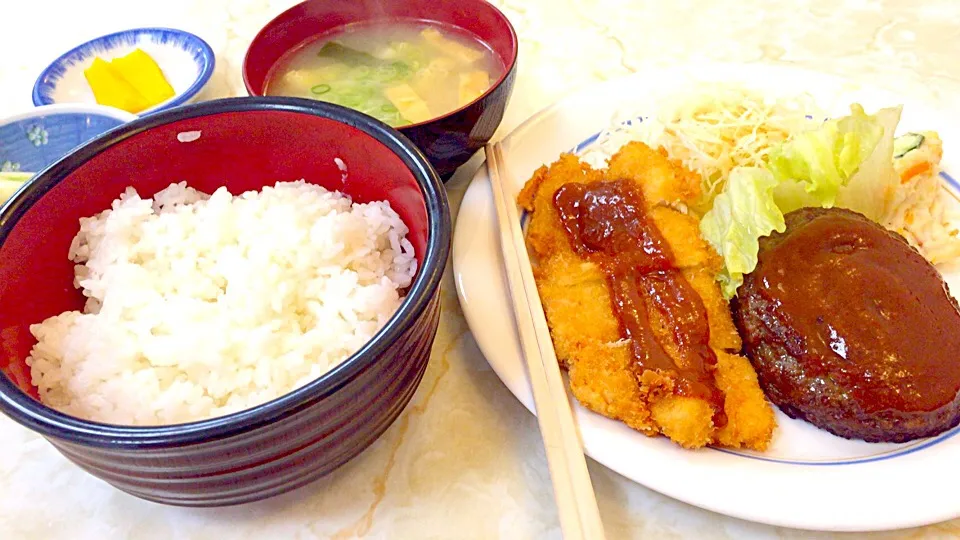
[
  {"x": 851, "y": 329},
  {"x": 635, "y": 312}
]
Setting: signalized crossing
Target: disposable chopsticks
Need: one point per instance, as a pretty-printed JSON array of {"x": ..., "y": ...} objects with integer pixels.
[{"x": 576, "y": 500}]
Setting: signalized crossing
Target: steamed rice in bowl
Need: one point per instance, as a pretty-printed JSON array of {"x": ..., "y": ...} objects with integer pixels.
[{"x": 204, "y": 305}]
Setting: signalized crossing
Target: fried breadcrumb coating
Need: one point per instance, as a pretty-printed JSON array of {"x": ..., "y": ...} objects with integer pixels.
[{"x": 586, "y": 331}]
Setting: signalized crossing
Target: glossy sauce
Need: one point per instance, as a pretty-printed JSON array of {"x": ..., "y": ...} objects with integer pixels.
[
  {"x": 857, "y": 306},
  {"x": 606, "y": 224}
]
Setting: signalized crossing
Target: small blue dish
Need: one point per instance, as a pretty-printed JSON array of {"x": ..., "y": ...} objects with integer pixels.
[
  {"x": 186, "y": 60},
  {"x": 31, "y": 141}
]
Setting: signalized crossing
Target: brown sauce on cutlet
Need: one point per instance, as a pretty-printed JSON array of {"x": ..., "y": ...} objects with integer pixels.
[
  {"x": 856, "y": 305},
  {"x": 607, "y": 224}
]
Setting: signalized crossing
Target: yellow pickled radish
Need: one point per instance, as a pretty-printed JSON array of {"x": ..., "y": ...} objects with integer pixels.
[
  {"x": 112, "y": 89},
  {"x": 141, "y": 71}
]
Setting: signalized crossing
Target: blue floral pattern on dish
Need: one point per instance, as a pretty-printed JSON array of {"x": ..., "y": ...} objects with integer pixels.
[
  {"x": 38, "y": 136},
  {"x": 33, "y": 143},
  {"x": 9, "y": 166}
]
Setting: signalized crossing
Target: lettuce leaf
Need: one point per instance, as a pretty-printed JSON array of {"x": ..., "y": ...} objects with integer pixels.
[
  {"x": 741, "y": 214},
  {"x": 871, "y": 189},
  {"x": 846, "y": 162}
]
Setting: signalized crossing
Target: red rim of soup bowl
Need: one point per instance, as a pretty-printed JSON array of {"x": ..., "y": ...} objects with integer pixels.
[
  {"x": 311, "y": 20},
  {"x": 133, "y": 457}
]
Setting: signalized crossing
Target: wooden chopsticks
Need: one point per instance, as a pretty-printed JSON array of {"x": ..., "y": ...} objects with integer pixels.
[{"x": 576, "y": 500}]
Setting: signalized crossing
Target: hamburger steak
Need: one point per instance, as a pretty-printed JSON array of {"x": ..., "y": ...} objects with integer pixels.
[{"x": 852, "y": 330}]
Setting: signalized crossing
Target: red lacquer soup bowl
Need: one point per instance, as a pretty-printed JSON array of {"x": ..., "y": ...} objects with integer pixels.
[
  {"x": 449, "y": 140},
  {"x": 244, "y": 144}
]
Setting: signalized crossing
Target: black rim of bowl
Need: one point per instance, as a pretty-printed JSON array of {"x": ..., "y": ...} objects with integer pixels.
[{"x": 50, "y": 422}]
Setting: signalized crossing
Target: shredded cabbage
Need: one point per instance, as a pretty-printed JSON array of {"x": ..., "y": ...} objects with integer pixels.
[{"x": 712, "y": 131}]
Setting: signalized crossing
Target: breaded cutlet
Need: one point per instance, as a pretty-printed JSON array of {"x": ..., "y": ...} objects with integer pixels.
[{"x": 586, "y": 331}]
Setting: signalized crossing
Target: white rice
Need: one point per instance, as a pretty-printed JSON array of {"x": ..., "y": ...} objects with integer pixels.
[{"x": 199, "y": 306}]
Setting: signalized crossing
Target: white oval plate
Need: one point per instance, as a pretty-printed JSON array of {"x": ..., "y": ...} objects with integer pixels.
[{"x": 809, "y": 478}]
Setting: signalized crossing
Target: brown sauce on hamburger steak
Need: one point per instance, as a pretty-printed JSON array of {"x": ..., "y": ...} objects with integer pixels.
[{"x": 851, "y": 329}]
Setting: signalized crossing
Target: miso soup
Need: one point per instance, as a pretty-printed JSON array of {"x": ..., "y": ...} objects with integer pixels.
[{"x": 398, "y": 72}]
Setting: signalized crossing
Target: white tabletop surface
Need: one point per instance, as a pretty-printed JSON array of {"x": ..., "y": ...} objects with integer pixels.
[{"x": 465, "y": 459}]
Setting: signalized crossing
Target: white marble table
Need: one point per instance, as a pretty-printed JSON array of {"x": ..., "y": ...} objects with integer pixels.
[{"x": 465, "y": 459}]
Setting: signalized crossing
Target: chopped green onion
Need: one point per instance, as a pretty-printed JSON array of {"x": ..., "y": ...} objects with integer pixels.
[{"x": 320, "y": 89}]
